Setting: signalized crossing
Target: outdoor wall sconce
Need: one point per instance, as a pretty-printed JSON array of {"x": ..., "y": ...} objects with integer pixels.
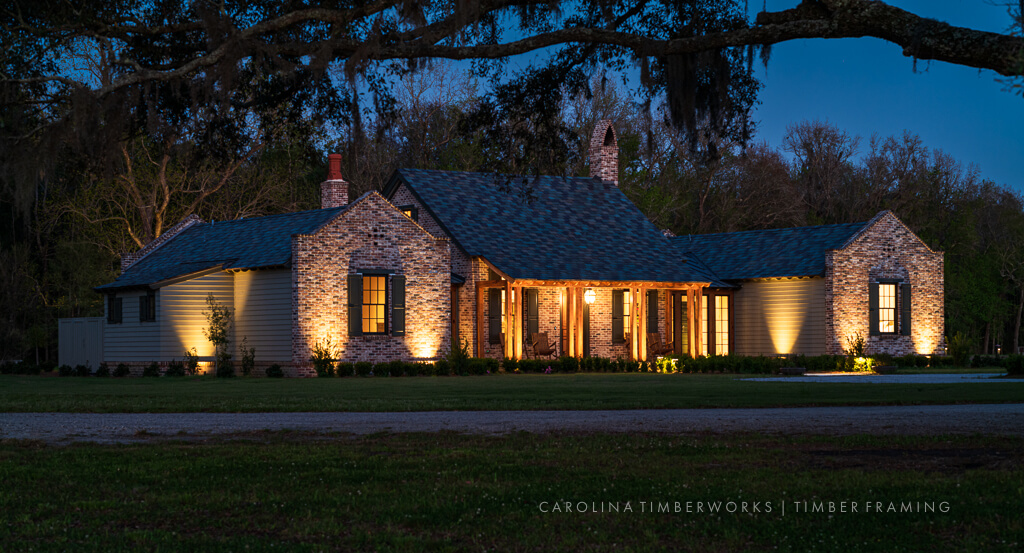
[{"x": 589, "y": 296}]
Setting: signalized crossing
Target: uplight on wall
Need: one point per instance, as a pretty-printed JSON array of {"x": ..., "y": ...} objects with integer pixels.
[{"x": 589, "y": 296}]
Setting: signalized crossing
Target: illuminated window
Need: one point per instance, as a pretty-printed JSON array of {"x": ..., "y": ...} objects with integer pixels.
[
  {"x": 374, "y": 301},
  {"x": 722, "y": 325},
  {"x": 626, "y": 326},
  {"x": 887, "y": 308},
  {"x": 410, "y": 211},
  {"x": 503, "y": 321}
]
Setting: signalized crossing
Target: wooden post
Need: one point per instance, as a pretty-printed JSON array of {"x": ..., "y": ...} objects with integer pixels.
[
  {"x": 570, "y": 306},
  {"x": 698, "y": 298},
  {"x": 563, "y": 312},
  {"x": 691, "y": 325},
  {"x": 479, "y": 321},
  {"x": 669, "y": 326},
  {"x": 643, "y": 323},
  {"x": 580, "y": 328},
  {"x": 507, "y": 346}
]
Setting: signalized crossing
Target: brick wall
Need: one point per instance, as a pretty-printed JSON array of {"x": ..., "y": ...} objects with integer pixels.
[
  {"x": 604, "y": 153},
  {"x": 886, "y": 249},
  {"x": 370, "y": 234}
]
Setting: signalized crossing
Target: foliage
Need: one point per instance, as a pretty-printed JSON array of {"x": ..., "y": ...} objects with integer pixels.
[
  {"x": 218, "y": 317},
  {"x": 151, "y": 370},
  {"x": 275, "y": 371},
  {"x": 122, "y": 371},
  {"x": 225, "y": 366},
  {"x": 960, "y": 349},
  {"x": 458, "y": 357},
  {"x": 364, "y": 368},
  {"x": 103, "y": 371},
  {"x": 175, "y": 368},
  {"x": 248, "y": 357},
  {"x": 191, "y": 361},
  {"x": 323, "y": 357},
  {"x": 346, "y": 369},
  {"x": 1015, "y": 365},
  {"x": 82, "y": 370},
  {"x": 65, "y": 370}
]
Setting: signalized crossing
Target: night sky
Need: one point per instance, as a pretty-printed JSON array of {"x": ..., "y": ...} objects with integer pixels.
[{"x": 866, "y": 86}]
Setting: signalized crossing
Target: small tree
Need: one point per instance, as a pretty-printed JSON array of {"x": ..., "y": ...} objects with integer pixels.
[{"x": 219, "y": 318}]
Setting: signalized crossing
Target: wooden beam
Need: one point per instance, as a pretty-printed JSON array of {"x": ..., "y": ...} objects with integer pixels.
[
  {"x": 507, "y": 346},
  {"x": 541, "y": 283},
  {"x": 643, "y": 324},
  {"x": 491, "y": 283},
  {"x": 517, "y": 316},
  {"x": 580, "y": 329},
  {"x": 570, "y": 307},
  {"x": 496, "y": 270},
  {"x": 690, "y": 310},
  {"x": 479, "y": 321}
]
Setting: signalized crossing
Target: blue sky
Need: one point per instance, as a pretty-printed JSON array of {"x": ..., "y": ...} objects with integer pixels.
[{"x": 866, "y": 86}]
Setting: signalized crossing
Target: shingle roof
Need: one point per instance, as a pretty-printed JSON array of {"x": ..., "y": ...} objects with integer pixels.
[
  {"x": 573, "y": 229},
  {"x": 786, "y": 252},
  {"x": 239, "y": 244}
]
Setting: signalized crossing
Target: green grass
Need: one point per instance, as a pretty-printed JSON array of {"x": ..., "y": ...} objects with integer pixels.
[
  {"x": 509, "y": 392},
  {"x": 447, "y": 492}
]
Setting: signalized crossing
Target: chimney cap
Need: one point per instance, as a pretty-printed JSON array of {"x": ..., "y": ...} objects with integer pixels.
[{"x": 334, "y": 167}]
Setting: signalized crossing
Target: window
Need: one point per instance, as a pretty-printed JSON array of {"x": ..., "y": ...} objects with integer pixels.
[
  {"x": 147, "y": 307},
  {"x": 722, "y": 325},
  {"x": 626, "y": 326},
  {"x": 374, "y": 303},
  {"x": 114, "y": 309},
  {"x": 704, "y": 326},
  {"x": 410, "y": 211},
  {"x": 887, "y": 308}
]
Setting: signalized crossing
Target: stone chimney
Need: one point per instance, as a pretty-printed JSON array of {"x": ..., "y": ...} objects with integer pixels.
[
  {"x": 334, "y": 190},
  {"x": 604, "y": 153}
]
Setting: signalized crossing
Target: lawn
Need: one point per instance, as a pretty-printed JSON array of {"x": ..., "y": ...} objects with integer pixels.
[
  {"x": 506, "y": 392},
  {"x": 449, "y": 492}
]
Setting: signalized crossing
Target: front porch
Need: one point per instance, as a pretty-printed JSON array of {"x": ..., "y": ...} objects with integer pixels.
[{"x": 584, "y": 318}]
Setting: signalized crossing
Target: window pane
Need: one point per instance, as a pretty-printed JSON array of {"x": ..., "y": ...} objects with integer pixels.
[{"x": 887, "y": 308}]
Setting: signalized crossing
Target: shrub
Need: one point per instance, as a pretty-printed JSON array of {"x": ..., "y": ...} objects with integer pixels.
[
  {"x": 960, "y": 349},
  {"x": 515, "y": 365},
  {"x": 175, "y": 368},
  {"x": 458, "y": 357},
  {"x": 442, "y": 367},
  {"x": 477, "y": 366},
  {"x": 152, "y": 370},
  {"x": 381, "y": 369},
  {"x": 248, "y": 357},
  {"x": 103, "y": 371},
  {"x": 82, "y": 370},
  {"x": 275, "y": 371},
  {"x": 191, "y": 361},
  {"x": 121, "y": 371},
  {"x": 396, "y": 368},
  {"x": 364, "y": 368},
  {"x": 569, "y": 364},
  {"x": 65, "y": 370},
  {"x": 1015, "y": 365},
  {"x": 323, "y": 358},
  {"x": 345, "y": 369},
  {"x": 225, "y": 366}
]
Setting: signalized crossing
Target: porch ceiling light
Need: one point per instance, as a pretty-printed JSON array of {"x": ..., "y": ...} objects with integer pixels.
[{"x": 589, "y": 296}]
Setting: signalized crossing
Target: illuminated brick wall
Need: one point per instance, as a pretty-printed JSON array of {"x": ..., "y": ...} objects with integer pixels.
[
  {"x": 885, "y": 249},
  {"x": 370, "y": 234}
]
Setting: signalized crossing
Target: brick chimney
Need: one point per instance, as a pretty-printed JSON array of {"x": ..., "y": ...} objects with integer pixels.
[
  {"x": 334, "y": 190},
  {"x": 604, "y": 153}
]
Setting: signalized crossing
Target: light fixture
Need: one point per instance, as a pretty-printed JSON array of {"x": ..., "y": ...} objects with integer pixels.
[{"x": 589, "y": 296}]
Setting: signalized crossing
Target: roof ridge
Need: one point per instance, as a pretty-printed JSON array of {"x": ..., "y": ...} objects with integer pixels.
[
  {"x": 275, "y": 215},
  {"x": 808, "y": 227}
]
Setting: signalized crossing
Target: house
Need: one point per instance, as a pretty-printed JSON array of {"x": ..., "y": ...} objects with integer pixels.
[{"x": 443, "y": 258}]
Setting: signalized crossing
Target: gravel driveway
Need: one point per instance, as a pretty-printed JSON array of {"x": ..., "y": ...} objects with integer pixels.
[{"x": 999, "y": 419}]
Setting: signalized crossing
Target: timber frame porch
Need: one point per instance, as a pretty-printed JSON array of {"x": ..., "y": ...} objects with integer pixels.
[{"x": 572, "y": 294}]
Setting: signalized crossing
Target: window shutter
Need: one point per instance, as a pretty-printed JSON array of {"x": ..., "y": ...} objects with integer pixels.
[
  {"x": 143, "y": 307},
  {"x": 494, "y": 316},
  {"x": 398, "y": 305},
  {"x": 355, "y": 305},
  {"x": 532, "y": 312},
  {"x": 873, "y": 329},
  {"x": 652, "y": 311},
  {"x": 618, "y": 334},
  {"x": 118, "y": 310},
  {"x": 905, "y": 309}
]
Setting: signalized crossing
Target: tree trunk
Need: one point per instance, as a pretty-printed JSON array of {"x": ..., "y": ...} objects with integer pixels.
[
  {"x": 1016, "y": 324},
  {"x": 984, "y": 344}
]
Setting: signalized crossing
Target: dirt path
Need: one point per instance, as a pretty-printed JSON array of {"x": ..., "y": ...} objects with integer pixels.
[{"x": 995, "y": 419}]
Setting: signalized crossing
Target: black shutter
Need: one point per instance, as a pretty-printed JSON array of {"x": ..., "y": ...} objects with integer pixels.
[
  {"x": 494, "y": 316},
  {"x": 873, "y": 329},
  {"x": 398, "y": 305},
  {"x": 118, "y": 310},
  {"x": 618, "y": 334},
  {"x": 532, "y": 313},
  {"x": 355, "y": 305},
  {"x": 143, "y": 308},
  {"x": 905, "y": 310},
  {"x": 652, "y": 311}
]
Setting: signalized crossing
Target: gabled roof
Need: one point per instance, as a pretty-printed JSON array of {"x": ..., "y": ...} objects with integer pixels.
[
  {"x": 239, "y": 244},
  {"x": 574, "y": 228},
  {"x": 789, "y": 252}
]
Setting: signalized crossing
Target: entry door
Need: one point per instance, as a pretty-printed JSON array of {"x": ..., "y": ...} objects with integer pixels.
[{"x": 680, "y": 324}]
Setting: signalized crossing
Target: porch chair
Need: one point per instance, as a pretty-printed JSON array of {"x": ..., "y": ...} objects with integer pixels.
[
  {"x": 655, "y": 345},
  {"x": 540, "y": 345}
]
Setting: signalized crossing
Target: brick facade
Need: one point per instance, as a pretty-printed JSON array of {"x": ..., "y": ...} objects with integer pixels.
[
  {"x": 885, "y": 250},
  {"x": 370, "y": 234}
]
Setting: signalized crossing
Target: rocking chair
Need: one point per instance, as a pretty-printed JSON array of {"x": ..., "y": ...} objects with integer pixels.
[
  {"x": 655, "y": 345},
  {"x": 540, "y": 345}
]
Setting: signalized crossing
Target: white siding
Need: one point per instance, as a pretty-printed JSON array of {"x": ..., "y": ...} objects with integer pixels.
[
  {"x": 780, "y": 316},
  {"x": 263, "y": 313},
  {"x": 180, "y": 314},
  {"x": 132, "y": 340}
]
